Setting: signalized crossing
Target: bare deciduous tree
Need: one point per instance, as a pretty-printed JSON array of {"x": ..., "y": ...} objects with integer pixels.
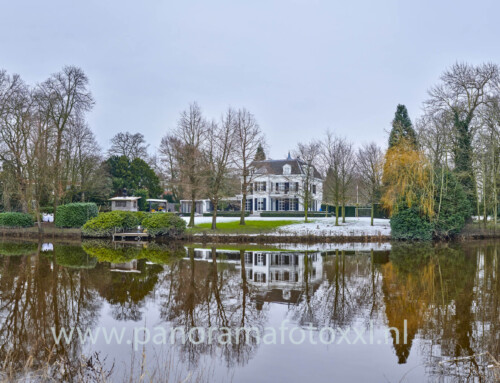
[
  {"x": 219, "y": 145},
  {"x": 65, "y": 97},
  {"x": 248, "y": 138},
  {"x": 331, "y": 160},
  {"x": 370, "y": 168},
  {"x": 170, "y": 159},
  {"x": 309, "y": 156},
  {"x": 191, "y": 131},
  {"x": 129, "y": 145}
]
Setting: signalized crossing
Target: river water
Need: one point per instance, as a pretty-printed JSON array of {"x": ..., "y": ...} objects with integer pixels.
[{"x": 278, "y": 313}]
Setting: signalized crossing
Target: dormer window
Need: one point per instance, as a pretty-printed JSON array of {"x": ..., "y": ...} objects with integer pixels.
[{"x": 287, "y": 169}]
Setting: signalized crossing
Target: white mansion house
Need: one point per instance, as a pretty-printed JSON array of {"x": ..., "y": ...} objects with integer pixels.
[{"x": 277, "y": 185}]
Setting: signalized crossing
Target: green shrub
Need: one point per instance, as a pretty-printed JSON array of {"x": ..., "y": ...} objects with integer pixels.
[
  {"x": 407, "y": 224},
  {"x": 75, "y": 214},
  {"x": 105, "y": 223},
  {"x": 311, "y": 214},
  {"x": 227, "y": 214},
  {"x": 164, "y": 224},
  {"x": 452, "y": 208},
  {"x": 16, "y": 220}
]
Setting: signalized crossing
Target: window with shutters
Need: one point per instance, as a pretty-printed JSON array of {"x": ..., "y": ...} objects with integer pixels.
[{"x": 260, "y": 186}]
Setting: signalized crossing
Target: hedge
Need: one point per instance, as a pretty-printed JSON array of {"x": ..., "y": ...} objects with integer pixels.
[
  {"x": 75, "y": 214},
  {"x": 105, "y": 223},
  {"x": 16, "y": 220},
  {"x": 310, "y": 214},
  {"x": 164, "y": 224},
  {"x": 227, "y": 214}
]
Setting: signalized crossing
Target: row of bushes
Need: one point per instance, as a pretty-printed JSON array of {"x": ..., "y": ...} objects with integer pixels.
[
  {"x": 155, "y": 224},
  {"x": 75, "y": 214},
  {"x": 310, "y": 214},
  {"x": 16, "y": 220}
]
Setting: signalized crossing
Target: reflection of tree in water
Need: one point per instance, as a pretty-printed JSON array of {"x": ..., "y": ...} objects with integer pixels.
[
  {"x": 126, "y": 292},
  {"x": 450, "y": 296},
  {"x": 36, "y": 295},
  {"x": 211, "y": 294},
  {"x": 349, "y": 290}
]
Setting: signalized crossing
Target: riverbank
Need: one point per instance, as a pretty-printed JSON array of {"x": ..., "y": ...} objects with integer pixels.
[
  {"x": 49, "y": 230},
  {"x": 270, "y": 230}
]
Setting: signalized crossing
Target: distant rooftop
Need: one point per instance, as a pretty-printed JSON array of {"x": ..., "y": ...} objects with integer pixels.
[{"x": 276, "y": 166}]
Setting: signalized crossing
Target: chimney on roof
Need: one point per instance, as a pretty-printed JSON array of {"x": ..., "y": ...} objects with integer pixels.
[{"x": 289, "y": 156}]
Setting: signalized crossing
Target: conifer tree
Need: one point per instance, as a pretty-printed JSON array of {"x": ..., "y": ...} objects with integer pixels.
[
  {"x": 402, "y": 128},
  {"x": 260, "y": 155}
]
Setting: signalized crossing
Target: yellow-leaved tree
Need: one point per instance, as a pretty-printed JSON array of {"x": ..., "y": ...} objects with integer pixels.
[{"x": 407, "y": 179}]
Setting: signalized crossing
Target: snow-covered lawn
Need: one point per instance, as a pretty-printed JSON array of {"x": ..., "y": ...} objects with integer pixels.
[
  {"x": 317, "y": 226},
  {"x": 326, "y": 227}
]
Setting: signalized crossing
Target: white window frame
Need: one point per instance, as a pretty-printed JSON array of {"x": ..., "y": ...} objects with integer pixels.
[
  {"x": 260, "y": 204},
  {"x": 287, "y": 169},
  {"x": 260, "y": 259},
  {"x": 260, "y": 186}
]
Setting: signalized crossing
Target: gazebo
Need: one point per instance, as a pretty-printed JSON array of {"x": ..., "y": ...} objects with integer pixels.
[{"x": 124, "y": 203}]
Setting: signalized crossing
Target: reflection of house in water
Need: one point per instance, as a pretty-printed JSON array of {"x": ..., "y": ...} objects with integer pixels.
[
  {"x": 278, "y": 275},
  {"x": 125, "y": 267}
]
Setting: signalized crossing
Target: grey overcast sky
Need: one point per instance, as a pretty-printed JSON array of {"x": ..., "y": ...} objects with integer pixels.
[{"x": 301, "y": 66}]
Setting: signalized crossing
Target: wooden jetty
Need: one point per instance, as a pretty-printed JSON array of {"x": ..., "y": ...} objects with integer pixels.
[{"x": 130, "y": 236}]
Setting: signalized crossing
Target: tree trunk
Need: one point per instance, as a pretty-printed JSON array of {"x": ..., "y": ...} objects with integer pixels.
[
  {"x": 337, "y": 214},
  {"x": 243, "y": 206},
  {"x": 343, "y": 212},
  {"x": 306, "y": 206},
  {"x": 191, "y": 216},
  {"x": 214, "y": 215},
  {"x": 372, "y": 213}
]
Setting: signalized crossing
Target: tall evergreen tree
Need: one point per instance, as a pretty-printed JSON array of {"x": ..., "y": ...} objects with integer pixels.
[
  {"x": 402, "y": 128},
  {"x": 260, "y": 155}
]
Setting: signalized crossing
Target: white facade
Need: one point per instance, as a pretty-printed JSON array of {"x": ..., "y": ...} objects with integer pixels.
[
  {"x": 202, "y": 206},
  {"x": 125, "y": 203},
  {"x": 278, "y": 185}
]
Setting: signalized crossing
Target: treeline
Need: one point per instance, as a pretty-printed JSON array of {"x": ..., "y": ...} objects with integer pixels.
[
  {"x": 49, "y": 155},
  {"x": 432, "y": 177},
  {"x": 46, "y": 146},
  {"x": 437, "y": 176}
]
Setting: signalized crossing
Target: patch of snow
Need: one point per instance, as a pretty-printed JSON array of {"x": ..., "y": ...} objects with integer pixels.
[
  {"x": 198, "y": 220},
  {"x": 317, "y": 226},
  {"x": 326, "y": 227}
]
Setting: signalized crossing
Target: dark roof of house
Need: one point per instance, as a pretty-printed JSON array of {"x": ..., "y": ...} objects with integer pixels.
[{"x": 276, "y": 167}]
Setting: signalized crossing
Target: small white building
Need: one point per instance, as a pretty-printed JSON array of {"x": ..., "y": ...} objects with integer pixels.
[
  {"x": 278, "y": 185},
  {"x": 125, "y": 203}
]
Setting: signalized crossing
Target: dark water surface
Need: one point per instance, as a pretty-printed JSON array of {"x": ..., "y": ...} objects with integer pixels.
[{"x": 326, "y": 313}]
